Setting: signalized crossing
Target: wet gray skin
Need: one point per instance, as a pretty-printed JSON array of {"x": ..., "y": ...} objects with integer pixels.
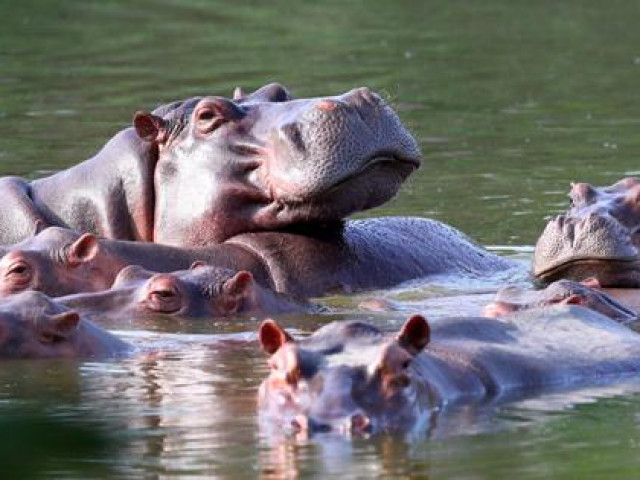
[
  {"x": 352, "y": 378},
  {"x": 202, "y": 170},
  {"x": 34, "y": 326},
  {"x": 513, "y": 299},
  {"x": 597, "y": 237},
  {"x": 201, "y": 292}
]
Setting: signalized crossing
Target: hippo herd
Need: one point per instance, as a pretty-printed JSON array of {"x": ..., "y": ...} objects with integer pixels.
[{"x": 225, "y": 207}]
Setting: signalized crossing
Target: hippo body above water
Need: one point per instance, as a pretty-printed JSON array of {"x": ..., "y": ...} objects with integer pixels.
[
  {"x": 200, "y": 171},
  {"x": 363, "y": 254},
  {"x": 351, "y": 376}
]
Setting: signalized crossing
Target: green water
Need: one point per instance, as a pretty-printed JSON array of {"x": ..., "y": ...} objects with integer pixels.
[{"x": 510, "y": 100}]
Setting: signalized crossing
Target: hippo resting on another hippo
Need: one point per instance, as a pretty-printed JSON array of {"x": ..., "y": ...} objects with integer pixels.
[
  {"x": 205, "y": 169},
  {"x": 598, "y": 237},
  {"x": 351, "y": 376},
  {"x": 34, "y": 326},
  {"x": 363, "y": 254}
]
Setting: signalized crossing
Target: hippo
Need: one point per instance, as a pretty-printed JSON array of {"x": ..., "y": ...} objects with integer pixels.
[
  {"x": 361, "y": 255},
  {"x": 353, "y": 377},
  {"x": 34, "y": 326},
  {"x": 202, "y": 291},
  {"x": 589, "y": 294},
  {"x": 199, "y": 171},
  {"x": 597, "y": 237}
]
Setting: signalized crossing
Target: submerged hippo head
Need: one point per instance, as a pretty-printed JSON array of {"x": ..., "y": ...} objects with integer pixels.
[
  {"x": 513, "y": 299},
  {"x": 598, "y": 237},
  {"x": 57, "y": 261},
  {"x": 346, "y": 377},
  {"x": 266, "y": 161},
  {"x": 202, "y": 291},
  {"x": 34, "y": 326}
]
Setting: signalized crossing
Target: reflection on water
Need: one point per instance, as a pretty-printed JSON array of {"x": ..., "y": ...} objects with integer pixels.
[{"x": 510, "y": 102}]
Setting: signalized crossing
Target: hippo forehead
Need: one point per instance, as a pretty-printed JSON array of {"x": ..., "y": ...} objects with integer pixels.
[{"x": 207, "y": 280}]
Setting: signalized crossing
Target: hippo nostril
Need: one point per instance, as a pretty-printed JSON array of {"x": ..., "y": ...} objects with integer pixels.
[
  {"x": 327, "y": 105},
  {"x": 300, "y": 423},
  {"x": 359, "y": 422}
]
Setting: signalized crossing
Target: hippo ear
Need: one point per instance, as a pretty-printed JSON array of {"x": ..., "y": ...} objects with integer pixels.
[
  {"x": 272, "y": 92},
  {"x": 150, "y": 127},
  {"x": 83, "y": 250},
  {"x": 272, "y": 336},
  {"x": 238, "y": 94},
  {"x": 414, "y": 334},
  {"x": 239, "y": 284},
  {"x": 58, "y": 327}
]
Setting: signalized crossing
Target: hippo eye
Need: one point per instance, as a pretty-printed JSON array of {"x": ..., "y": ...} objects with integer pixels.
[
  {"x": 405, "y": 364},
  {"x": 208, "y": 119},
  {"x": 18, "y": 268},
  {"x": 50, "y": 337}
]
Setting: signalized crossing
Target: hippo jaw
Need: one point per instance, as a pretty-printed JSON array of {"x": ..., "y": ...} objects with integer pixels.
[
  {"x": 359, "y": 390},
  {"x": 596, "y": 245}
]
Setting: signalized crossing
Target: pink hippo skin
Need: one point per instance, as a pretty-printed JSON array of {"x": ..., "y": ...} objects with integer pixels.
[{"x": 34, "y": 326}]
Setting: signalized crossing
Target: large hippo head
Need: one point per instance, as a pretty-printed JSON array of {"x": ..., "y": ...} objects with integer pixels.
[
  {"x": 597, "y": 237},
  {"x": 347, "y": 377},
  {"x": 266, "y": 161}
]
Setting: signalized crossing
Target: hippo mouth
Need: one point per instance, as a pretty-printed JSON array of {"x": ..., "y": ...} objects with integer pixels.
[
  {"x": 404, "y": 165},
  {"x": 623, "y": 269},
  {"x": 395, "y": 168}
]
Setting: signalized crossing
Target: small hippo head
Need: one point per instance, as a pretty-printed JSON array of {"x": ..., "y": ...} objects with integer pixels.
[
  {"x": 266, "y": 161},
  {"x": 202, "y": 291},
  {"x": 347, "y": 377},
  {"x": 56, "y": 261},
  {"x": 33, "y": 326},
  {"x": 598, "y": 237},
  {"x": 513, "y": 299}
]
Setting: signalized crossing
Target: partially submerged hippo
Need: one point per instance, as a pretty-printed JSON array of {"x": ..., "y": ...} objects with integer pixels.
[
  {"x": 363, "y": 254},
  {"x": 202, "y": 291},
  {"x": 512, "y": 299},
  {"x": 351, "y": 376},
  {"x": 205, "y": 169},
  {"x": 597, "y": 237},
  {"x": 34, "y": 326}
]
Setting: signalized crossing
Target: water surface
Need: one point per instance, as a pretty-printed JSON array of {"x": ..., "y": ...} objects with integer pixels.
[{"x": 510, "y": 101}]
